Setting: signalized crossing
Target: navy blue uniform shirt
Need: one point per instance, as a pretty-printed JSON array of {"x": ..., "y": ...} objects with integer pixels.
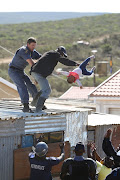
[
  {"x": 21, "y": 55},
  {"x": 41, "y": 169}
]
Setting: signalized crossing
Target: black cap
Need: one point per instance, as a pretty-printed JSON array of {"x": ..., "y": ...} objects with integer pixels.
[
  {"x": 63, "y": 50},
  {"x": 79, "y": 146}
]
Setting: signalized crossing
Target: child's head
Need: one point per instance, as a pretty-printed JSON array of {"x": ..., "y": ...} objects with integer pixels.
[{"x": 71, "y": 79}]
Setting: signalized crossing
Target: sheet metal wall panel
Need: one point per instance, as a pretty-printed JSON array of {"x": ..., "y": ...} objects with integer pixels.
[
  {"x": 12, "y": 127},
  {"x": 45, "y": 124},
  {"x": 7, "y": 145},
  {"x": 76, "y": 131}
]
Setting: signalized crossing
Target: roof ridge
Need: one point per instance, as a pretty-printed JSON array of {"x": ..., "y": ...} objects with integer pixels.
[{"x": 113, "y": 75}]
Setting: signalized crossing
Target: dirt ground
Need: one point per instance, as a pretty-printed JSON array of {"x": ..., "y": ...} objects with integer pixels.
[{"x": 5, "y": 60}]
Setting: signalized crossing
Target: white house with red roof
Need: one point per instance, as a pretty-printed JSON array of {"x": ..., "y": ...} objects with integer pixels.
[{"x": 107, "y": 95}]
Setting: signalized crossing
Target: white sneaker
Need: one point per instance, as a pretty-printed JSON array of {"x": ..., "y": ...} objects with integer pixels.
[{"x": 93, "y": 56}]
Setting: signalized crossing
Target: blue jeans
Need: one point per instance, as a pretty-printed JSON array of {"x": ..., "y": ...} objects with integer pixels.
[
  {"x": 23, "y": 83},
  {"x": 83, "y": 67},
  {"x": 43, "y": 83}
]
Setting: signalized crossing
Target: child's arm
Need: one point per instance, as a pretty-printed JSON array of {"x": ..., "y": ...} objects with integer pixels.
[
  {"x": 65, "y": 73},
  {"x": 79, "y": 83}
]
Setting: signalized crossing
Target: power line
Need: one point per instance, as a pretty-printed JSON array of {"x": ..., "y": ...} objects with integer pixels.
[{"x": 7, "y": 50}]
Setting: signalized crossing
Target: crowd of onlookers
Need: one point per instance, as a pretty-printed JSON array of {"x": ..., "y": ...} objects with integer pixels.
[{"x": 91, "y": 168}]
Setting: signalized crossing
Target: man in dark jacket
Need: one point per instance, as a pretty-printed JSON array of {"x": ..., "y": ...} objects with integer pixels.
[
  {"x": 43, "y": 68},
  {"x": 109, "y": 149},
  {"x": 79, "y": 167}
]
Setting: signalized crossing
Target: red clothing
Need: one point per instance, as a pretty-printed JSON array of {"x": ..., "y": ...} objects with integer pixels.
[{"x": 74, "y": 74}]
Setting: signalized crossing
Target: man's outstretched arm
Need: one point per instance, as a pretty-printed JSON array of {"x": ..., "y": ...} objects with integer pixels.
[
  {"x": 65, "y": 73},
  {"x": 67, "y": 62}
]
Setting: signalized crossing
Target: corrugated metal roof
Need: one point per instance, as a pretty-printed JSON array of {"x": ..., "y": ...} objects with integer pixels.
[
  {"x": 103, "y": 119},
  {"x": 109, "y": 88},
  {"x": 13, "y": 110}
]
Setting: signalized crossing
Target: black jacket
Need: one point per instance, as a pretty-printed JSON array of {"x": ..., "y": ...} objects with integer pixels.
[
  {"x": 114, "y": 175},
  {"x": 67, "y": 169},
  {"x": 110, "y": 151},
  {"x": 48, "y": 61}
]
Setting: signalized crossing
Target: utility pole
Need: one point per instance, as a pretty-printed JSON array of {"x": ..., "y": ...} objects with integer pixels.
[
  {"x": 94, "y": 79},
  {"x": 111, "y": 63}
]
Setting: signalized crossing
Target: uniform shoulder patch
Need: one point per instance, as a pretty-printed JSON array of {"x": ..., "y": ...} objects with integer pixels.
[{"x": 26, "y": 51}]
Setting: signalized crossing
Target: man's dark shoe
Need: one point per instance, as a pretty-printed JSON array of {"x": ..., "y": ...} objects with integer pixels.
[
  {"x": 26, "y": 108},
  {"x": 35, "y": 99},
  {"x": 44, "y": 107}
]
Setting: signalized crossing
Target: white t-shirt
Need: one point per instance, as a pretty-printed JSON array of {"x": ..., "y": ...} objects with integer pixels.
[{"x": 78, "y": 71}]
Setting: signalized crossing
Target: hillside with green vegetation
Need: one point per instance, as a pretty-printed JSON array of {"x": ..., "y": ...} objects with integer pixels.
[{"x": 102, "y": 33}]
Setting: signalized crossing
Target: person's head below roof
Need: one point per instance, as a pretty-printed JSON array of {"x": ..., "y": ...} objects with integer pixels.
[
  {"x": 79, "y": 149},
  {"x": 62, "y": 51},
  {"x": 41, "y": 149}
]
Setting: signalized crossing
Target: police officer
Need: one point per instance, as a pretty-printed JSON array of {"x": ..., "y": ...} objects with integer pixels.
[
  {"x": 21, "y": 59},
  {"x": 79, "y": 167},
  {"x": 44, "y": 67},
  {"x": 40, "y": 164}
]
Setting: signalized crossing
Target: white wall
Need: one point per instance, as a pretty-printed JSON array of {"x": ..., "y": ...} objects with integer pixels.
[{"x": 103, "y": 105}]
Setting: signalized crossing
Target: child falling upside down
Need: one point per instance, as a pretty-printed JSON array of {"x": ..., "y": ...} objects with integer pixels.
[{"x": 73, "y": 76}]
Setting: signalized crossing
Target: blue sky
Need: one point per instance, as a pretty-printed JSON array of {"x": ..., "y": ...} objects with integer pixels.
[{"x": 60, "y": 5}]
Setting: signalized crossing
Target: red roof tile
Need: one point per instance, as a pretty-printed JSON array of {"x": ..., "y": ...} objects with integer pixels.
[
  {"x": 77, "y": 93},
  {"x": 109, "y": 88}
]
